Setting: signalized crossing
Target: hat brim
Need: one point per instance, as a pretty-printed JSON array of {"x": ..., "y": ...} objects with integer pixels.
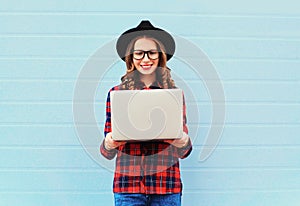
[{"x": 164, "y": 37}]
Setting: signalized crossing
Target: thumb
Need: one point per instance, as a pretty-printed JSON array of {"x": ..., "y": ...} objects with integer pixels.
[{"x": 168, "y": 141}]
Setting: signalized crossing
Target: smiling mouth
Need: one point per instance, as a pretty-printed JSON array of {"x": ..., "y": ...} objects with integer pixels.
[{"x": 146, "y": 66}]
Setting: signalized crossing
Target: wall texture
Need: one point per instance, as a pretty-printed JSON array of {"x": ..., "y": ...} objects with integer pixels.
[{"x": 254, "y": 45}]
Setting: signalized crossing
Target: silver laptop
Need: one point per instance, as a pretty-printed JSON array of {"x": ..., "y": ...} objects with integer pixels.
[{"x": 146, "y": 114}]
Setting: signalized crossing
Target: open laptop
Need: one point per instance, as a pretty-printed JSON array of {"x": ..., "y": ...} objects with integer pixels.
[{"x": 146, "y": 114}]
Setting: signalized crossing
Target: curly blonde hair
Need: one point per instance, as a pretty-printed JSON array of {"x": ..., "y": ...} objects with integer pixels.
[{"x": 131, "y": 79}]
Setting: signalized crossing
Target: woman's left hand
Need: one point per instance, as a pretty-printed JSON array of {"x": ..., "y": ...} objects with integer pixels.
[{"x": 179, "y": 142}]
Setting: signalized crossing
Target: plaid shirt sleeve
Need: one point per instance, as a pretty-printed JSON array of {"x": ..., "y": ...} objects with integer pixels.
[
  {"x": 109, "y": 154},
  {"x": 186, "y": 150}
]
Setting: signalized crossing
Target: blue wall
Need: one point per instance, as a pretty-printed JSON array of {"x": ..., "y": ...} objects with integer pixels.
[{"x": 255, "y": 47}]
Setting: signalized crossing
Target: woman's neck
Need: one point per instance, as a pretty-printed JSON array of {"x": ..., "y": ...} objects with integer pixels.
[{"x": 148, "y": 79}]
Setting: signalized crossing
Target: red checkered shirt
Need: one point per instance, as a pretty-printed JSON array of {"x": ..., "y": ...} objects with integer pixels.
[{"x": 150, "y": 167}]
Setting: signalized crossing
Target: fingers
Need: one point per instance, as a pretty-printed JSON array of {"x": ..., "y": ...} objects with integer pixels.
[
  {"x": 168, "y": 141},
  {"x": 179, "y": 142},
  {"x": 110, "y": 143},
  {"x": 119, "y": 143}
]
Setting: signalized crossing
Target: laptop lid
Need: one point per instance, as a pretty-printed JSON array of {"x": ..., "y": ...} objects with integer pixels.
[{"x": 146, "y": 114}]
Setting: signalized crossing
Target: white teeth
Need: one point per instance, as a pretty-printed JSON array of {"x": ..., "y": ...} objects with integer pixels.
[{"x": 146, "y": 66}]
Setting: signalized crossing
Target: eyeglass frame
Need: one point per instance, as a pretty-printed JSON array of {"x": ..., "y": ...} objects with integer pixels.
[{"x": 144, "y": 53}]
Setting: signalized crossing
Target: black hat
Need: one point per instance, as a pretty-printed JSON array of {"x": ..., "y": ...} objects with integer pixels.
[{"x": 145, "y": 28}]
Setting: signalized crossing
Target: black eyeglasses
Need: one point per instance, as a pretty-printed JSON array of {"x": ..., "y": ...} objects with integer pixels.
[{"x": 140, "y": 54}]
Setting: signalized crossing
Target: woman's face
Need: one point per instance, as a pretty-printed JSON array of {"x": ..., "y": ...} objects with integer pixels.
[{"x": 146, "y": 56}]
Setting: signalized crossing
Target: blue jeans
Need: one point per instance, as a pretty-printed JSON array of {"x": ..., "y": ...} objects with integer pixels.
[{"x": 132, "y": 199}]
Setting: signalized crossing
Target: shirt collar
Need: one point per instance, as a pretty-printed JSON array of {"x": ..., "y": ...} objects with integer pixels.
[{"x": 154, "y": 85}]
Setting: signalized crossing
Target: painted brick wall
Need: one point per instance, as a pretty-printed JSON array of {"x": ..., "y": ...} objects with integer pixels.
[{"x": 254, "y": 46}]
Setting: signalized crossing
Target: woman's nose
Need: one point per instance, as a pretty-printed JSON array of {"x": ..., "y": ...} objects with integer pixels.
[{"x": 146, "y": 58}]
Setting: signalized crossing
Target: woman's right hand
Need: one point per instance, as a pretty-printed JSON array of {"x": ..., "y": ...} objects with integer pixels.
[{"x": 110, "y": 144}]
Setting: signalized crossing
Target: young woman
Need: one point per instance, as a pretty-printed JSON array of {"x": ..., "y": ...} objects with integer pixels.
[{"x": 147, "y": 172}]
